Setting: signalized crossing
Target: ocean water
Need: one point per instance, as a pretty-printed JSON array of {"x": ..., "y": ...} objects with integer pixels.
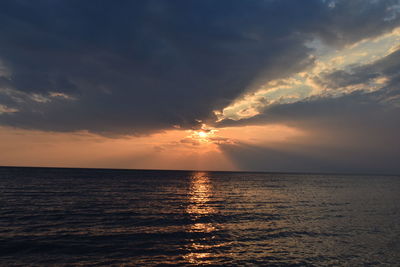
[{"x": 89, "y": 217}]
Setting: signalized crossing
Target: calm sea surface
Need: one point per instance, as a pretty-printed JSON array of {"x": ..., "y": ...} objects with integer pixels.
[{"x": 69, "y": 217}]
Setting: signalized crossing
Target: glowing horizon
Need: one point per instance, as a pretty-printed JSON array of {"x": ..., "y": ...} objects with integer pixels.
[{"x": 149, "y": 87}]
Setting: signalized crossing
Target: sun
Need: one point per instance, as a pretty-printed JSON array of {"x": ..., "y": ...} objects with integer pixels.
[{"x": 202, "y": 134}]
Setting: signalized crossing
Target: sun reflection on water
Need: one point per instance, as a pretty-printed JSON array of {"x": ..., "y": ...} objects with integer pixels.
[{"x": 200, "y": 194}]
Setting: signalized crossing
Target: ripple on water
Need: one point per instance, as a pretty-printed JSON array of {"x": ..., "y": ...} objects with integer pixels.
[{"x": 103, "y": 217}]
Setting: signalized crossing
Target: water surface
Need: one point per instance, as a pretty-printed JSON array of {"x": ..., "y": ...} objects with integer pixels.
[{"x": 119, "y": 217}]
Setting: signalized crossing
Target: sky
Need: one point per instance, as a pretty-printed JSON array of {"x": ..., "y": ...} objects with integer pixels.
[{"x": 258, "y": 85}]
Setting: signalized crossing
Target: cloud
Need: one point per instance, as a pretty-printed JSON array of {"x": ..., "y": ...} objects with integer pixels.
[
  {"x": 136, "y": 67},
  {"x": 357, "y": 132},
  {"x": 385, "y": 70},
  {"x": 351, "y": 21}
]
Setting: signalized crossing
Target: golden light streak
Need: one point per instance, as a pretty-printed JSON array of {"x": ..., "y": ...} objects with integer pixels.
[{"x": 200, "y": 195}]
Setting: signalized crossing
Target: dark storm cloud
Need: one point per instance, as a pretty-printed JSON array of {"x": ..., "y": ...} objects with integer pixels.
[
  {"x": 353, "y": 20},
  {"x": 140, "y": 66}
]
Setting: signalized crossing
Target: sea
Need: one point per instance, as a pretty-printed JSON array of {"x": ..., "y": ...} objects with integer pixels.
[{"x": 99, "y": 217}]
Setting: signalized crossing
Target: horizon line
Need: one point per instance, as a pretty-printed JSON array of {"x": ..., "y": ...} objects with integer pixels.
[{"x": 191, "y": 170}]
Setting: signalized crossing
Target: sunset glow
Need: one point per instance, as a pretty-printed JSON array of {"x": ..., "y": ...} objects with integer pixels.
[
  {"x": 199, "y": 132},
  {"x": 243, "y": 90}
]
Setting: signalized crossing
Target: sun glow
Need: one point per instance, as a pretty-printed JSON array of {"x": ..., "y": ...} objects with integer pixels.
[
  {"x": 205, "y": 135},
  {"x": 202, "y": 134}
]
